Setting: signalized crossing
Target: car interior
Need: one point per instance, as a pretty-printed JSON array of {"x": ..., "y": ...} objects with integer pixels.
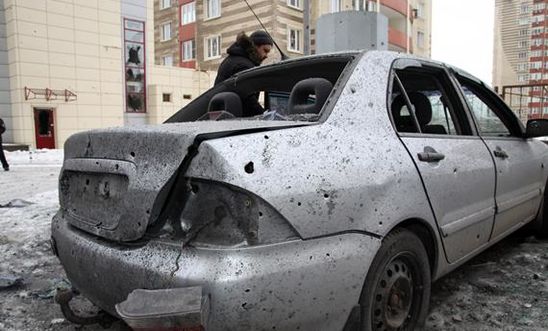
[
  {"x": 434, "y": 106},
  {"x": 293, "y": 90}
]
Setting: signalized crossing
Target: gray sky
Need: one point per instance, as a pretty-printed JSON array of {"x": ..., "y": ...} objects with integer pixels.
[{"x": 462, "y": 35}]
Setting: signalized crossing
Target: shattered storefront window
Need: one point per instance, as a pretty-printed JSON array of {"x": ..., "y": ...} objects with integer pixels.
[{"x": 134, "y": 45}]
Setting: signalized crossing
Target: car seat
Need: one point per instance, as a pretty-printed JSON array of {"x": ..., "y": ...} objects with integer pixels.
[{"x": 423, "y": 111}]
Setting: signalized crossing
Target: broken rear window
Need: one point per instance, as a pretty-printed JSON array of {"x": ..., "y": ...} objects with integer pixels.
[{"x": 292, "y": 91}]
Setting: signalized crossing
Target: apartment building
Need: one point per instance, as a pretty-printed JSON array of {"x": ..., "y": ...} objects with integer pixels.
[
  {"x": 206, "y": 28},
  {"x": 68, "y": 66},
  {"x": 165, "y": 33},
  {"x": 520, "y": 55}
]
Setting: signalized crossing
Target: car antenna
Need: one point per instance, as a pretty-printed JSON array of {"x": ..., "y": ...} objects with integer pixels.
[{"x": 284, "y": 57}]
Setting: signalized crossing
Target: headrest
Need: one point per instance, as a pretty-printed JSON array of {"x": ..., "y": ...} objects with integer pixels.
[
  {"x": 423, "y": 107},
  {"x": 226, "y": 101},
  {"x": 300, "y": 101}
]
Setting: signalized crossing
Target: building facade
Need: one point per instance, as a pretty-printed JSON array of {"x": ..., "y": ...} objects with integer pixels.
[
  {"x": 206, "y": 28},
  {"x": 68, "y": 66},
  {"x": 512, "y": 42},
  {"x": 520, "y": 55}
]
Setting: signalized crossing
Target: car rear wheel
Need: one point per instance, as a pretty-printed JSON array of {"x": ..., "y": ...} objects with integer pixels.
[{"x": 397, "y": 287}]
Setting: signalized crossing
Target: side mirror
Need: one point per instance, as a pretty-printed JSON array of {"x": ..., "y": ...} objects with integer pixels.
[{"x": 536, "y": 128}]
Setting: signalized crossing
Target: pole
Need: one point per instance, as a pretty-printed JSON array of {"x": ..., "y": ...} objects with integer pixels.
[{"x": 306, "y": 25}]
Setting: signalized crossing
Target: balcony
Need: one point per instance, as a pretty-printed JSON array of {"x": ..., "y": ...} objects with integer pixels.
[
  {"x": 398, "y": 5},
  {"x": 397, "y": 38}
]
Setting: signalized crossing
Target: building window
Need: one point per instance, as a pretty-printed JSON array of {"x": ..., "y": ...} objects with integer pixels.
[
  {"x": 524, "y": 8},
  {"x": 188, "y": 50},
  {"x": 294, "y": 40},
  {"x": 188, "y": 13},
  {"x": 536, "y": 19},
  {"x": 523, "y": 21},
  {"x": 166, "y": 31},
  {"x": 334, "y": 6},
  {"x": 364, "y": 5},
  {"x": 166, "y": 97},
  {"x": 212, "y": 47},
  {"x": 420, "y": 10},
  {"x": 524, "y": 43},
  {"x": 358, "y": 5},
  {"x": 135, "y": 75},
  {"x": 212, "y": 8},
  {"x": 522, "y": 67},
  {"x": 167, "y": 60},
  {"x": 522, "y": 55},
  {"x": 534, "y": 31},
  {"x": 420, "y": 39},
  {"x": 539, "y": 6},
  {"x": 295, "y": 4},
  {"x": 165, "y": 4},
  {"x": 535, "y": 65}
]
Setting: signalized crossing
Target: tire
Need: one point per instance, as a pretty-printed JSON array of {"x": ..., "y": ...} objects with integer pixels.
[
  {"x": 396, "y": 292},
  {"x": 539, "y": 227}
]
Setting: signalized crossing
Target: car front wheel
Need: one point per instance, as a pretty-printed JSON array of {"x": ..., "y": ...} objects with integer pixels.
[{"x": 397, "y": 287}]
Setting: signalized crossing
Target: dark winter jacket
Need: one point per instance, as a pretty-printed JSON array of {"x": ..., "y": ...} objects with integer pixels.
[
  {"x": 2, "y": 127},
  {"x": 242, "y": 55}
]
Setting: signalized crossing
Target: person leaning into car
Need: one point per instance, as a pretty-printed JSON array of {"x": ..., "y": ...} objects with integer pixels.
[
  {"x": 247, "y": 52},
  {"x": 2, "y": 156}
]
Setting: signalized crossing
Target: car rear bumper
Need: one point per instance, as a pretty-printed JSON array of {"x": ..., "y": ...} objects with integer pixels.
[{"x": 312, "y": 284}]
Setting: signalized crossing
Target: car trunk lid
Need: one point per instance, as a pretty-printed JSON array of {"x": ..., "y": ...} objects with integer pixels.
[{"x": 114, "y": 182}]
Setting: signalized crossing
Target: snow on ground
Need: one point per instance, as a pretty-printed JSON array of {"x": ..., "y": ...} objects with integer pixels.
[
  {"x": 35, "y": 157},
  {"x": 505, "y": 288},
  {"x": 31, "y": 172}
]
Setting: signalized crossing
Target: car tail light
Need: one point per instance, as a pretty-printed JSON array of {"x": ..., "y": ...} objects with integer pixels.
[{"x": 217, "y": 214}]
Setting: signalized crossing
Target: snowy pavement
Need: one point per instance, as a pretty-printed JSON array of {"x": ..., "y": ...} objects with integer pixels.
[
  {"x": 505, "y": 288},
  {"x": 31, "y": 172}
]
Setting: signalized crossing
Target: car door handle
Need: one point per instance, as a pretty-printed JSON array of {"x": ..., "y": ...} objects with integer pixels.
[
  {"x": 498, "y": 152},
  {"x": 430, "y": 155}
]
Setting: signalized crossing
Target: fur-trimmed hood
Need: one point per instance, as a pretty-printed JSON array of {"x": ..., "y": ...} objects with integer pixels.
[{"x": 244, "y": 47}]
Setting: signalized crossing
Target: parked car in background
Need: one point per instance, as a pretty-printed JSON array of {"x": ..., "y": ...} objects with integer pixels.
[{"x": 370, "y": 175}]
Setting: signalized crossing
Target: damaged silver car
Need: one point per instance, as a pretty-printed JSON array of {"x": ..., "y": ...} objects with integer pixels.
[{"x": 370, "y": 175}]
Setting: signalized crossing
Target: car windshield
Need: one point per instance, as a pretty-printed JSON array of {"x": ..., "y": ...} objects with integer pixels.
[{"x": 289, "y": 91}]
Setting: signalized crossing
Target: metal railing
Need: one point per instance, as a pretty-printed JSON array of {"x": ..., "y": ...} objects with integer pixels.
[{"x": 528, "y": 101}]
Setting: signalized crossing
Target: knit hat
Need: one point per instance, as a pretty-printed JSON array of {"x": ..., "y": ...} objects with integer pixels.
[{"x": 260, "y": 37}]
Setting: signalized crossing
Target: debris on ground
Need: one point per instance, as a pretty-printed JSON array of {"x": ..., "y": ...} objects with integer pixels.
[
  {"x": 7, "y": 281},
  {"x": 16, "y": 203}
]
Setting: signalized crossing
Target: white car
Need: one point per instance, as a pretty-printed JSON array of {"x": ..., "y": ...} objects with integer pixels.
[{"x": 370, "y": 175}]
